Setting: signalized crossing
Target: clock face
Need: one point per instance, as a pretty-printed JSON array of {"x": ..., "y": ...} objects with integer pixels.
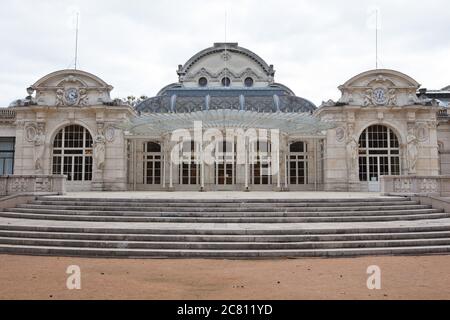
[
  {"x": 379, "y": 96},
  {"x": 71, "y": 95}
]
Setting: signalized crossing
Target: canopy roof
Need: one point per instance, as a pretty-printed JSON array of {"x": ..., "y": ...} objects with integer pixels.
[{"x": 159, "y": 124}]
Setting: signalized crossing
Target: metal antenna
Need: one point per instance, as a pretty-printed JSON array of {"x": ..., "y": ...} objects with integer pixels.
[
  {"x": 226, "y": 54},
  {"x": 76, "y": 42},
  {"x": 376, "y": 39}
]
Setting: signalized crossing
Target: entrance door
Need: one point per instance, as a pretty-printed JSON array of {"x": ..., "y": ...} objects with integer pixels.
[
  {"x": 260, "y": 163},
  {"x": 73, "y": 157},
  {"x": 225, "y": 168},
  {"x": 379, "y": 155}
]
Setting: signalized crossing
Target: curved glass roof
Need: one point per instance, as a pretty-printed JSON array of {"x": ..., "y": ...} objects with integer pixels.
[
  {"x": 158, "y": 124},
  {"x": 265, "y": 100}
]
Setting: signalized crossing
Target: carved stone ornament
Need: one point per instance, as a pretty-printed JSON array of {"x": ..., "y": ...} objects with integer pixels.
[
  {"x": 422, "y": 132},
  {"x": 83, "y": 98},
  {"x": 226, "y": 56},
  {"x": 412, "y": 150},
  {"x": 110, "y": 134},
  {"x": 429, "y": 186},
  {"x": 248, "y": 72},
  {"x": 380, "y": 96},
  {"x": 30, "y": 132},
  {"x": 39, "y": 147},
  {"x": 100, "y": 147},
  {"x": 60, "y": 98},
  {"x": 340, "y": 134},
  {"x": 403, "y": 185}
]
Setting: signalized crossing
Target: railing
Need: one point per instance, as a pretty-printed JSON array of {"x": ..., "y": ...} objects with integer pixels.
[
  {"x": 12, "y": 185},
  {"x": 7, "y": 114},
  {"x": 443, "y": 114},
  {"x": 416, "y": 185}
]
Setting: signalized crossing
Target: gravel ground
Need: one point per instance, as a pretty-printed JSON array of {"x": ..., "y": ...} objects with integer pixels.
[{"x": 426, "y": 277}]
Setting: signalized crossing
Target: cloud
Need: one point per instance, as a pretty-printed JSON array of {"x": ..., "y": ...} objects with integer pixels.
[{"x": 137, "y": 45}]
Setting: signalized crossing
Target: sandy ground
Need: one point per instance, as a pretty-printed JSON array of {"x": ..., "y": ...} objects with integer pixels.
[{"x": 24, "y": 277}]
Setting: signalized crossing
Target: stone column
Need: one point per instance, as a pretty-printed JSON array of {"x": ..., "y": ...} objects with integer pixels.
[{"x": 170, "y": 167}]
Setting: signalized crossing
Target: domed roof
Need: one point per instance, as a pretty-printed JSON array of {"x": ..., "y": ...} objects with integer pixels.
[
  {"x": 226, "y": 77},
  {"x": 271, "y": 99}
]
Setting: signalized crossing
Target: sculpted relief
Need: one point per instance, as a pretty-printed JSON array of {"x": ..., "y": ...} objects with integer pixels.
[
  {"x": 412, "y": 150},
  {"x": 70, "y": 88},
  {"x": 380, "y": 96},
  {"x": 100, "y": 147},
  {"x": 352, "y": 152},
  {"x": 35, "y": 133}
]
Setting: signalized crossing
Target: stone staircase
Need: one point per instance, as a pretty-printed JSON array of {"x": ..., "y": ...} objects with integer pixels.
[{"x": 234, "y": 228}]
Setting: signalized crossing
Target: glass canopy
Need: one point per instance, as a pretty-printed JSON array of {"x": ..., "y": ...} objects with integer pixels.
[{"x": 158, "y": 124}]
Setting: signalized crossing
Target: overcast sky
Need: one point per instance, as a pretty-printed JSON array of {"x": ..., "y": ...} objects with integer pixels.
[{"x": 136, "y": 45}]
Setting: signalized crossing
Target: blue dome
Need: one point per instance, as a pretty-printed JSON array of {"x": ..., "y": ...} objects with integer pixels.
[{"x": 185, "y": 100}]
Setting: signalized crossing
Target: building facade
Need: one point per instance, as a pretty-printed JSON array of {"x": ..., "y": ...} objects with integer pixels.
[{"x": 226, "y": 124}]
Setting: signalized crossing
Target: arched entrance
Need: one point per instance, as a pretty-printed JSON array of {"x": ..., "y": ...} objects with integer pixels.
[
  {"x": 152, "y": 163},
  {"x": 72, "y": 155},
  {"x": 379, "y": 154},
  {"x": 298, "y": 163}
]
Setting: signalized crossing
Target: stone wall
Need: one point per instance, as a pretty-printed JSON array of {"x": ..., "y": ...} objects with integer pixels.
[
  {"x": 12, "y": 185},
  {"x": 416, "y": 185}
]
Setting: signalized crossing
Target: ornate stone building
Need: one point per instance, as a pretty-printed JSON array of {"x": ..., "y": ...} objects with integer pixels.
[{"x": 257, "y": 134}]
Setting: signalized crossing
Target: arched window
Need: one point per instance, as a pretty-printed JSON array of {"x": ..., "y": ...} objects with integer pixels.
[
  {"x": 72, "y": 153},
  {"x": 226, "y": 82},
  {"x": 379, "y": 153},
  {"x": 202, "y": 82},
  {"x": 298, "y": 163},
  {"x": 152, "y": 163}
]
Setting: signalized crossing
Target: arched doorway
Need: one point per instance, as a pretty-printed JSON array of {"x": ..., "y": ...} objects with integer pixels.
[
  {"x": 72, "y": 155},
  {"x": 298, "y": 163},
  {"x": 379, "y": 154},
  {"x": 152, "y": 163}
]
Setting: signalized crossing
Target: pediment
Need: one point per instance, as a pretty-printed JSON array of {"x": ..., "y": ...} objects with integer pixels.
[
  {"x": 380, "y": 87},
  {"x": 71, "y": 88}
]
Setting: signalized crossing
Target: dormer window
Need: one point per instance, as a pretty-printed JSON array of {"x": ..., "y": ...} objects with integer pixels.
[
  {"x": 249, "y": 82},
  {"x": 202, "y": 82},
  {"x": 226, "y": 82}
]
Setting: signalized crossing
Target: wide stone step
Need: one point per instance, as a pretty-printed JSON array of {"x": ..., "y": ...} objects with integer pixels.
[
  {"x": 224, "y": 245},
  {"x": 220, "y": 202},
  {"x": 217, "y": 206},
  {"x": 230, "y": 254},
  {"x": 76, "y": 212},
  {"x": 209, "y": 209},
  {"x": 222, "y": 238},
  {"x": 212, "y": 230},
  {"x": 315, "y": 219}
]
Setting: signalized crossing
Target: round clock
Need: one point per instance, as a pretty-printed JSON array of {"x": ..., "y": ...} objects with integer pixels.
[
  {"x": 379, "y": 96},
  {"x": 71, "y": 96}
]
